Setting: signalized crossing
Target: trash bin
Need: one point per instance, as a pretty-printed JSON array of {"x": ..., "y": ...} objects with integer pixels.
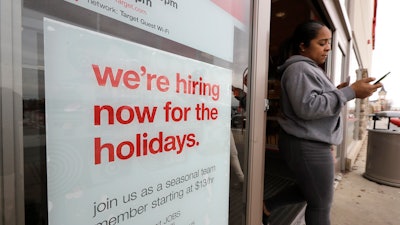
[{"x": 383, "y": 151}]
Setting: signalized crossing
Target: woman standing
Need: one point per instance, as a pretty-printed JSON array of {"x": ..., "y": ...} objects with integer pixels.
[{"x": 310, "y": 122}]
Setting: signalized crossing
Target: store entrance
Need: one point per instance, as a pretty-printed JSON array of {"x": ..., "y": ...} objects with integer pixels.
[{"x": 285, "y": 16}]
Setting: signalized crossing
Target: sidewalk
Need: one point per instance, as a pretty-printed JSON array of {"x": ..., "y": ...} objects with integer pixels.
[{"x": 359, "y": 201}]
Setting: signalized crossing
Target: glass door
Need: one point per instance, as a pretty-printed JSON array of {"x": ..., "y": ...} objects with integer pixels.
[{"x": 128, "y": 111}]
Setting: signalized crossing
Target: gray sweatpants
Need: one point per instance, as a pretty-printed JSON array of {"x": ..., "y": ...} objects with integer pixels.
[{"x": 313, "y": 167}]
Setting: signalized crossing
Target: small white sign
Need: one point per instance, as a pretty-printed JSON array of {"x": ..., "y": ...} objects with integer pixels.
[{"x": 198, "y": 24}]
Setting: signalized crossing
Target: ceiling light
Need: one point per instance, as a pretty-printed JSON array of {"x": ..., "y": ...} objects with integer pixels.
[{"x": 280, "y": 14}]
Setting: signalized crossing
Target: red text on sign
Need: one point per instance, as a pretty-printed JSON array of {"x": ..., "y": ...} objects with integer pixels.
[
  {"x": 124, "y": 114},
  {"x": 142, "y": 145},
  {"x": 130, "y": 78}
]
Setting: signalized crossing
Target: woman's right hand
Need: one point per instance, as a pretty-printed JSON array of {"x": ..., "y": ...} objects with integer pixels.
[{"x": 363, "y": 88}]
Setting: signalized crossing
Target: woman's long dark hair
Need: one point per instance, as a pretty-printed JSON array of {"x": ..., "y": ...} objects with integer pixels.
[{"x": 303, "y": 33}]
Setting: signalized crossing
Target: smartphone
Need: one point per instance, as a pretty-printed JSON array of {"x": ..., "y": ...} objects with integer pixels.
[{"x": 380, "y": 79}]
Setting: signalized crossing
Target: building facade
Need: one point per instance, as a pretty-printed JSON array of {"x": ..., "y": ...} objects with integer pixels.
[{"x": 123, "y": 112}]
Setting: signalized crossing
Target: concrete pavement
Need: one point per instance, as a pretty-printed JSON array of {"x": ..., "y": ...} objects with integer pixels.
[{"x": 359, "y": 201}]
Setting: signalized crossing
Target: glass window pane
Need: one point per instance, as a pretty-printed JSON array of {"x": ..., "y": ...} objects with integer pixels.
[{"x": 128, "y": 25}]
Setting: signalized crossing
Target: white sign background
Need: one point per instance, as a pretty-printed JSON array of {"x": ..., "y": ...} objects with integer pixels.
[
  {"x": 199, "y": 24},
  {"x": 185, "y": 185}
]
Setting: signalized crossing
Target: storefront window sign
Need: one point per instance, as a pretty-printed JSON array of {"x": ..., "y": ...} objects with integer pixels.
[{"x": 134, "y": 135}]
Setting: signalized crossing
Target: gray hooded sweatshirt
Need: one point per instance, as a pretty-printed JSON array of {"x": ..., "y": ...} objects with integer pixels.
[{"x": 310, "y": 103}]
